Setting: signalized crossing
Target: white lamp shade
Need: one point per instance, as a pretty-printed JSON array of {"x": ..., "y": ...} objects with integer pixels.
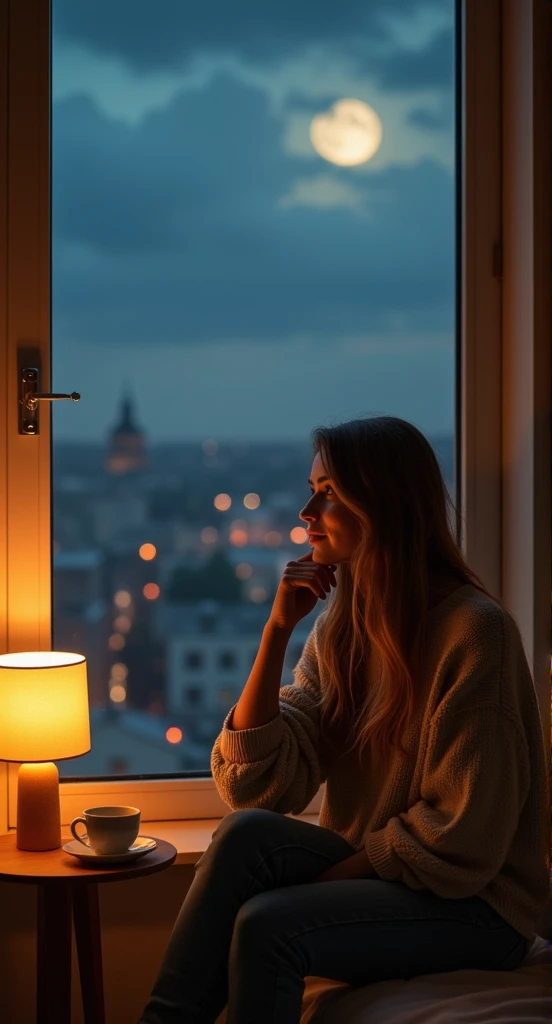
[{"x": 43, "y": 706}]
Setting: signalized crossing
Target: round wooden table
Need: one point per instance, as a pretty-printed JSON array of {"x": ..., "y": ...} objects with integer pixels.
[{"x": 66, "y": 889}]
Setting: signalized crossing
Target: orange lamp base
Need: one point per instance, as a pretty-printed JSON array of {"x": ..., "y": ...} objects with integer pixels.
[{"x": 38, "y": 814}]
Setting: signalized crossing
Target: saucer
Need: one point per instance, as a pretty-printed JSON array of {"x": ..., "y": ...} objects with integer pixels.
[{"x": 140, "y": 846}]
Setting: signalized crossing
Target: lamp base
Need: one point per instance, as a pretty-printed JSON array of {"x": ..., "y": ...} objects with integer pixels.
[{"x": 38, "y": 814}]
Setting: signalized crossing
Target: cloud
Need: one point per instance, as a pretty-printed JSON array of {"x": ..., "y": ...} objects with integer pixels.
[
  {"x": 322, "y": 191},
  {"x": 173, "y": 230},
  {"x": 165, "y": 37}
]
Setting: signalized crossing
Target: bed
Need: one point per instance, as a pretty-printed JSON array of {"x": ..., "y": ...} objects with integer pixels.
[{"x": 521, "y": 996}]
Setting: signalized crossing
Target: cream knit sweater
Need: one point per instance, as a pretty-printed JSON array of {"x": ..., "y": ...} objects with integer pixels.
[{"x": 467, "y": 813}]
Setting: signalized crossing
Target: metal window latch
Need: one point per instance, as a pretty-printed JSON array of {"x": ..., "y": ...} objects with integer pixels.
[{"x": 29, "y": 397}]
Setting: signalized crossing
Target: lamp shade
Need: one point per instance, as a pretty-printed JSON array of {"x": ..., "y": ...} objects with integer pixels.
[{"x": 43, "y": 706}]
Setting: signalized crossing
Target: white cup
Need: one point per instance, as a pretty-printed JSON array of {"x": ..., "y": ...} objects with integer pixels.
[{"x": 108, "y": 829}]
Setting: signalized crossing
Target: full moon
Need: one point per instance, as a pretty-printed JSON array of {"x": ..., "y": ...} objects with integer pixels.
[{"x": 349, "y": 133}]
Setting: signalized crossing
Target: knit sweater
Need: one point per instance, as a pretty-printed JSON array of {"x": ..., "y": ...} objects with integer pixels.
[{"x": 466, "y": 813}]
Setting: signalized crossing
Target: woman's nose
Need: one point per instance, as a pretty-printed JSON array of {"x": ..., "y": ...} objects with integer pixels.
[{"x": 306, "y": 514}]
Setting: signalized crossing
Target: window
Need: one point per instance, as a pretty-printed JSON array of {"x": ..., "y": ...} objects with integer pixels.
[
  {"x": 193, "y": 660},
  {"x": 292, "y": 209},
  {"x": 227, "y": 660},
  {"x": 170, "y": 501},
  {"x": 193, "y": 695}
]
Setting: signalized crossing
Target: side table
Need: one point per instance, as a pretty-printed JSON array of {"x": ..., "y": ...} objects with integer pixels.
[{"x": 67, "y": 889}]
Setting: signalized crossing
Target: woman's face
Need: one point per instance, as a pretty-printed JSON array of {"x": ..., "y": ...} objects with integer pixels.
[{"x": 326, "y": 515}]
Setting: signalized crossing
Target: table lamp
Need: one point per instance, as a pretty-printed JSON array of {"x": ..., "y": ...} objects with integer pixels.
[{"x": 43, "y": 718}]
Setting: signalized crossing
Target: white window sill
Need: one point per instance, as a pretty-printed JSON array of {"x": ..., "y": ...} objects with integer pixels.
[{"x": 192, "y": 837}]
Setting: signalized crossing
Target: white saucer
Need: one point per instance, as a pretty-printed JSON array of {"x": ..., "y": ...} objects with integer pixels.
[{"x": 140, "y": 846}]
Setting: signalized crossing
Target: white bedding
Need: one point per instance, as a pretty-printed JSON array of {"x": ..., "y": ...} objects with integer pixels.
[{"x": 522, "y": 996}]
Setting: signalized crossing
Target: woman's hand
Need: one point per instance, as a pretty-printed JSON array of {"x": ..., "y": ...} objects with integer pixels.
[
  {"x": 357, "y": 866},
  {"x": 303, "y": 582}
]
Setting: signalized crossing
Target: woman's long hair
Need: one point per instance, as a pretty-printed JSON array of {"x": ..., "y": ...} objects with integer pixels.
[{"x": 385, "y": 471}]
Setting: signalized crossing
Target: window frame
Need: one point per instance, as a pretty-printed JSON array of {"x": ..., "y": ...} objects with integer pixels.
[{"x": 502, "y": 385}]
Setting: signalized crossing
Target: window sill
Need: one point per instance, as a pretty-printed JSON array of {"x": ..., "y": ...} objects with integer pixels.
[{"x": 192, "y": 837}]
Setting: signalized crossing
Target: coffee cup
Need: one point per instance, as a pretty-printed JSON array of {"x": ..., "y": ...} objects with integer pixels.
[{"x": 109, "y": 830}]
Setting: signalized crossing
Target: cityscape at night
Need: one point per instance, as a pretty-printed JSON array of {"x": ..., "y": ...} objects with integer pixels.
[{"x": 166, "y": 562}]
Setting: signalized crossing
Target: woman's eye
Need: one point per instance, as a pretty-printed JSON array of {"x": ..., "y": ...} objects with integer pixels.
[{"x": 327, "y": 488}]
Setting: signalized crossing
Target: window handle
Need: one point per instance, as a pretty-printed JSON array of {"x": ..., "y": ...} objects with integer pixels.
[{"x": 29, "y": 397}]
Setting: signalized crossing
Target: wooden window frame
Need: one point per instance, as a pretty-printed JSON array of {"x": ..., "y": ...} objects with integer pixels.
[{"x": 503, "y": 356}]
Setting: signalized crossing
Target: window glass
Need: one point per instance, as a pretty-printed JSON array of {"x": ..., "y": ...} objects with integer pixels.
[{"x": 253, "y": 234}]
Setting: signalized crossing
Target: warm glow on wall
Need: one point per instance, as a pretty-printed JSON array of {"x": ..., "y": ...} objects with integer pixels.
[
  {"x": 151, "y": 591},
  {"x": 173, "y": 734},
  {"x": 222, "y": 502},
  {"x": 147, "y": 552},
  {"x": 298, "y": 535}
]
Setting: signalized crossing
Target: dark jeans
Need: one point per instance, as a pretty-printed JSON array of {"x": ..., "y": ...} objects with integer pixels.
[{"x": 253, "y": 926}]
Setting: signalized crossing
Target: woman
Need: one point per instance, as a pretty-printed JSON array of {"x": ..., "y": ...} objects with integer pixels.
[{"x": 414, "y": 703}]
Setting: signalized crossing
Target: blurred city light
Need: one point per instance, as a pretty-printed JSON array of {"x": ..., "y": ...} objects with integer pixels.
[
  {"x": 119, "y": 671},
  {"x": 147, "y": 552},
  {"x": 298, "y": 535},
  {"x": 273, "y": 538},
  {"x": 209, "y": 535},
  {"x": 210, "y": 447},
  {"x": 117, "y": 693},
  {"x": 239, "y": 538},
  {"x": 252, "y": 500},
  {"x": 122, "y": 623},
  {"x": 151, "y": 591},
  {"x": 258, "y": 594},
  {"x": 173, "y": 734},
  {"x": 222, "y": 502},
  {"x": 244, "y": 571},
  {"x": 122, "y": 599},
  {"x": 116, "y": 642}
]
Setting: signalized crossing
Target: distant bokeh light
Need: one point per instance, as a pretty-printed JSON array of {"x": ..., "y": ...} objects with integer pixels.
[
  {"x": 258, "y": 594},
  {"x": 273, "y": 538},
  {"x": 116, "y": 642},
  {"x": 117, "y": 693},
  {"x": 119, "y": 671},
  {"x": 298, "y": 535},
  {"x": 238, "y": 538},
  {"x": 173, "y": 734},
  {"x": 122, "y": 623},
  {"x": 147, "y": 552},
  {"x": 222, "y": 502},
  {"x": 151, "y": 591},
  {"x": 209, "y": 535},
  {"x": 210, "y": 446},
  {"x": 244, "y": 571},
  {"x": 252, "y": 500},
  {"x": 122, "y": 599}
]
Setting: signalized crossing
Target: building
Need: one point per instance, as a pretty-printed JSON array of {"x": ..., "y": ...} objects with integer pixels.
[{"x": 127, "y": 450}]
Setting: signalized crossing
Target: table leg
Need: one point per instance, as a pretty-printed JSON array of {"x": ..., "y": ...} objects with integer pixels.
[
  {"x": 53, "y": 959},
  {"x": 86, "y": 916}
]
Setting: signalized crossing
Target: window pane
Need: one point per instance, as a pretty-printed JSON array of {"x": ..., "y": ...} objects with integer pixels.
[{"x": 253, "y": 234}]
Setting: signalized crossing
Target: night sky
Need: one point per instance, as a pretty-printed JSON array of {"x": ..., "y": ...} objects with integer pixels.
[{"x": 204, "y": 252}]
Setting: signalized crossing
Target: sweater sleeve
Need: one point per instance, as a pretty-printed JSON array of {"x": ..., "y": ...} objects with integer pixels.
[
  {"x": 476, "y": 779},
  {"x": 276, "y": 766}
]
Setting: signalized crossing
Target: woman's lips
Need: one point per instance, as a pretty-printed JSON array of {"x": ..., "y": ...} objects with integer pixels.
[{"x": 314, "y": 537}]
